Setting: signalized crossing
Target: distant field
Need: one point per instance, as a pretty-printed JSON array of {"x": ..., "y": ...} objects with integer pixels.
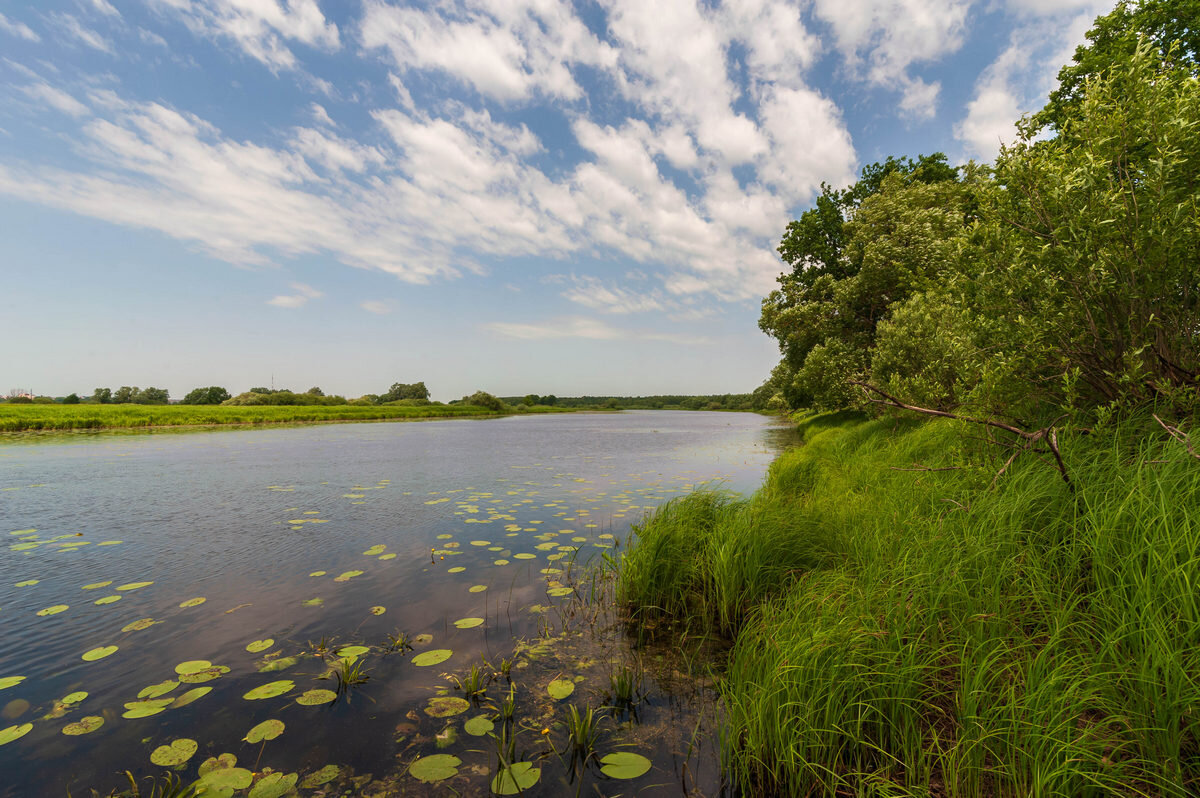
[{"x": 20, "y": 418}]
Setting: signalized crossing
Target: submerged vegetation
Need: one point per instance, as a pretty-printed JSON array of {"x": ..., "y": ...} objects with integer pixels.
[{"x": 900, "y": 624}]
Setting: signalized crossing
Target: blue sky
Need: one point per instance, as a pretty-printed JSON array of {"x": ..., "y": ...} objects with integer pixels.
[{"x": 526, "y": 196}]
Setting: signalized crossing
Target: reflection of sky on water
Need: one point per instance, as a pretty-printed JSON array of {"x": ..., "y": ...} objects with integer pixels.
[{"x": 243, "y": 517}]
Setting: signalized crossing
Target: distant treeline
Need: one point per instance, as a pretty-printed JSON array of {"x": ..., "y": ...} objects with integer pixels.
[{"x": 724, "y": 401}]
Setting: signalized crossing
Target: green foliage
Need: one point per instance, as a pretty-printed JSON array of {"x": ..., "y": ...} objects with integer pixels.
[
  {"x": 127, "y": 394},
  {"x": 399, "y": 390},
  {"x": 213, "y": 395},
  {"x": 895, "y": 629},
  {"x": 102, "y": 396},
  {"x": 485, "y": 400},
  {"x": 282, "y": 397},
  {"x": 71, "y": 399}
]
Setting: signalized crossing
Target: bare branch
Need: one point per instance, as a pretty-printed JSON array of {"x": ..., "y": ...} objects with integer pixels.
[{"x": 1180, "y": 436}]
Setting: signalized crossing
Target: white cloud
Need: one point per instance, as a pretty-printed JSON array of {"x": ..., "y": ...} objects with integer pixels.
[
  {"x": 321, "y": 115},
  {"x": 18, "y": 29},
  {"x": 75, "y": 29},
  {"x": 593, "y": 293},
  {"x": 580, "y": 327},
  {"x": 105, "y": 8},
  {"x": 150, "y": 37},
  {"x": 55, "y": 98},
  {"x": 376, "y": 307},
  {"x": 334, "y": 153},
  {"x": 297, "y": 300},
  {"x": 261, "y": 28}
]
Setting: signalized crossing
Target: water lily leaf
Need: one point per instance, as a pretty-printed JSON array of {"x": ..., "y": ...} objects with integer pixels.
[
  {"x": 139, "y": 625},
  {"x": 260, "y": 645},
  {"x": 144, "y": 709},
  {"x": 83, "y": 726},
  {"x": 311, "y": 698},
  {"x": 479, "y": 726},
  {"x": 74, "y": 698},
  {"x": 190, "y": 696},
  {"x": 516, "y": 778},
  {"x": 110, "y": 543},
  {"x": 322, "y": 776},
  {"x": 313, "y": 602},
  {"x": 378, "y": 610},
  {"x": 206, "y": 675},
  {"x": 274, "y": 785},
  {"x": 318, "y": 573},
  {"x": 227, "y": 778},
  {"x": 458, "y": 569},
  {"x": 175, "y": 753},
  {"x": 387, "y": 556},
  {"x": 11, "y": 681},
  {"x": 476, "y": 588},
  {"x": 267, "y": 730},
  {"x": 272, "y": 666},
  {"x": 192, "y": 602},
  {"x": 270, "y": 690},
  {"x": 108, "y": 600},
  {"x": 560, "y": 591},
  {"x": 192, "y": 666},
  {"x": 346, "y": 576},
  {"x": 546, "y": 546},
  {"x": 500, "y": 562},
  {"x": 437, "y": 767},
  {"x": 134, "y": 586},
  {"x": 423, "y": 639},
  {"x": 378, "y": 548},
  {"x": 352, "y": 652},
  {"x": 222, "y": 762},
  {"x": 434, "y": 657},
  {"x": 55, "y": 610},
  {"x": 524, "y": 555},
  {"x": 96, "y": 585},
  {"x": 446, "y": 706},
  {"x": 99, "y": 653},
  {"x": 14, "y": 733},
  {"x": 468, "y": 623},
  {"x": 560, "y": 688},
  {"x": 156, "y": 690},
  {"x": 27, "y": 582},
  {"x": 624, "y": 765}
]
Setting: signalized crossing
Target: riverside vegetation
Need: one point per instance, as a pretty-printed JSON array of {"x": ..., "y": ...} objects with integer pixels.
[{"x": 1000, "y": 602}]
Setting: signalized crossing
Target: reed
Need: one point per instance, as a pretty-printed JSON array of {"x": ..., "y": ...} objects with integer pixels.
[{"x": 897, "y": 630}]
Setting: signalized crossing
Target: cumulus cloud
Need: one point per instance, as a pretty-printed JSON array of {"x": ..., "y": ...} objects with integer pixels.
[{"x": 303, "y": 293}]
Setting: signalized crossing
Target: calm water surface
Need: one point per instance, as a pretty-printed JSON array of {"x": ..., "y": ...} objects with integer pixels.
[{"x": 343, "y": 534}]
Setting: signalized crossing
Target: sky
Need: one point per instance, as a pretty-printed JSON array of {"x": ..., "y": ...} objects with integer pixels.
[{"x": 521, "y": 196}]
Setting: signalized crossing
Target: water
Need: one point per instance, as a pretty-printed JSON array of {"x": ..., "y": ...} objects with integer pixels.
[{"x": 268, "y": 528}]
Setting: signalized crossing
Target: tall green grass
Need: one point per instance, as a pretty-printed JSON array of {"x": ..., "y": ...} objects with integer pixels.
[
  {"x": 19, "y": 418},
  {"x": 915, "y": 632}
]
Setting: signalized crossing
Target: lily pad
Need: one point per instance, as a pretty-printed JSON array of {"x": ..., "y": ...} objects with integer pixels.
[
  {"x": 458, "y": 569},
  {"x": 624, "y": 765},
  {"x": 468, "y": 623},
  {"x": 274, "y": 665},
  {"x": 55, "y": 610},
  {"x": 322, "y": 776},
  {"x": 192, "y": 602},
  {"x": 352, "y": 652},
  {"x": 260, "y": 645},
  {"x": 378, "y": 610},
  {"x": 500, "y": 562},
  {"x": 206, "y": 675},
  {"x": 174, "y": 754},
  {"x": 74, "y": 698},
  {"x": 139, "y": 625},
  {"x": 437, "y": 767},
  {"x": 434, "y": 657},
  {"x": 558, "y": 592},
  {"x": 267, "y": 730},
  {"x": 227, "y": 779},
  {"x": 378, "y": 548},
  {"x": 446, "y": 706},
  {"x": 11, "y": 681},
  {"x": 14, "y": 733},
  {"x": 318, "y": 573},
  {"x": 313, "y": 602},
  {"x": 270, "y": 690},
  {"x": 391, "y": 556},
  {"x": 479, "y": 726},
  {"x": 96, "y": 585},
  {"x": 274, "y": 785},
  {"x": 108, "y": 600},
  {"x": 99, "y": 653},
  {"x": 27, "y": 582},
  {"x": 516, "y": 778},
  {"x": 192, "y": 666},
  {"x": 144, "y": 709},
  {"x": 524, "y": 556},
  {"x": 83, "y": 726},
  {"x": 160, "y": 689},
  {"x": 133, "y": 586},
  {"x": 560, "y": 688},
  {"x": 346, "y": 576},
  {"x": 311, "y": 698},
  {"x": 423, "y": 639},
  {"x": 222, "y": 762},
  {"x": 476, "y": 588},
  {"x": 190, "y": 696}
]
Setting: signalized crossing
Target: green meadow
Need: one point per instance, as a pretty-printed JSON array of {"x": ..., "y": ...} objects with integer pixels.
[
  {"x": 897, "y": 621},
  {"x": 20, "y": 418}
]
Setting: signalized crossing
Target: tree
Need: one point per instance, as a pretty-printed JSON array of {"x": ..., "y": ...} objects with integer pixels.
[
  {"x": 483, "y": 399},
  {"x": 212, "y": 395},
  {"x": 102, "y": 396},
  {"x": 71, "y": 399},
  {"x": 399, "y": 390},
  {"x": 152, "y": 396},
  {"x": 315, "y": 391},
  {"x": 532, "y": 399},
  {"x": 124, "y": 395}
]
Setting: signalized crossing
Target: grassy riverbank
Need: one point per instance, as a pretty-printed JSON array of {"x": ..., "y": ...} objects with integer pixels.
[
  {"x": 20, "y": 418},
  {"x": 898, "y": 631}
]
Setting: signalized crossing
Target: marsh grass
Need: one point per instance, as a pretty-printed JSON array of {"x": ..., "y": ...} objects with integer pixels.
[{"x": 908, "y": 632}]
